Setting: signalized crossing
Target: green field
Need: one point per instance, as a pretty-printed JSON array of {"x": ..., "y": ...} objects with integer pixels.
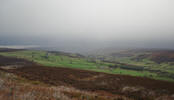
[
  {"x": 147, "y": 64},
  {"x": 60, "y": 60},
  {"x": 55, "y": 60}
]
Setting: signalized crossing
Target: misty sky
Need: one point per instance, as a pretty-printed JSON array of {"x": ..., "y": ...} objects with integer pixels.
[{"x": 84, "y": 24}]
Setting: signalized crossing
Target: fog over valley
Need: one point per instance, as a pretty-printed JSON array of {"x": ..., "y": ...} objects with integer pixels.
[{"x": 85, "y": 25}]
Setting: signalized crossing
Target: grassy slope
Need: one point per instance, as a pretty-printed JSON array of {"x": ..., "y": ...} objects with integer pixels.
[
  {"x": 53, "y": 60},
  {"x": 148, "y": 64},
  {"x": 81, "y": 63}
]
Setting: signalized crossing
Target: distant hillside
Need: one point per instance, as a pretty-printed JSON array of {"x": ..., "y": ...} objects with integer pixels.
[
  {"x": 163, "y": 56},
  {"x": 156, "y": 55},
  {"x": 9, "y": 50}
]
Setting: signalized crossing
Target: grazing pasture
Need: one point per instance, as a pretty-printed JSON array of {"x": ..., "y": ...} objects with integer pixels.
[{"x": 69, "y": 60}]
